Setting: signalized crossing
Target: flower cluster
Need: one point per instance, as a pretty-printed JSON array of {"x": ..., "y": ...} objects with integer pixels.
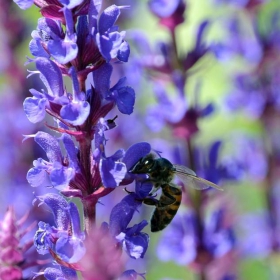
[{"x": 78, "y": 42}]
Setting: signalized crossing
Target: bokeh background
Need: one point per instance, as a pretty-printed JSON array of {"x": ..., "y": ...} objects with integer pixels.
[{"x": 239, "y": 75}]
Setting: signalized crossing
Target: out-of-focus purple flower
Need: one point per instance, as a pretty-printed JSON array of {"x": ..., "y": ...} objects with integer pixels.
[
  {"x": 251, "y": 156},
  {"x": 255, "y": 235},
  {"x": 255, "y": 93},
  {"x": 238, "y": 42},
  {"x": 103, "y": 259},
  {"x": 248, "y": 4},
  {"x": 200, "y": 48},
  {"x": 13, "y": 258},
  {"x": 134, "y": 242},
  {"x": 54, "y": 8},
  {"x": 183, "y": 242},
  {"x": 160, "y": 63},
  {"x": 131, "y": 274},
  {"x": 181, "y": 117},
  {"x": 24, "y": 4},
  {"x": 59, "y": 171},
  {"x": 170, "y": 13},
  {"x": 269, "y": 39},
  {"x": 209, "y": 166},
  {"x": 64, "y": 241}
]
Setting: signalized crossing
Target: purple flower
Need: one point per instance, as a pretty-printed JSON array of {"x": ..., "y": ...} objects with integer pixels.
[
  {"x": 72, "y": 108},
  {"x": 211, "y": 168},
  {"x": 134, "y": 242},
  {"x": 110, "y": 42},
  {"x": 24, "y": 4},
  {"x": 114, "y": 169},
  {"x": 170, "y": 13},
  {"x": 123, "y": 96},
  {"x": 64, "y": 241},
  {"x": 59, "y": 170},
  {"x": 200, "y": 49}
]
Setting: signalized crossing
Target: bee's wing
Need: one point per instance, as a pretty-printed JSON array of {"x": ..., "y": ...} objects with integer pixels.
[{"x": 189, "y": 178}]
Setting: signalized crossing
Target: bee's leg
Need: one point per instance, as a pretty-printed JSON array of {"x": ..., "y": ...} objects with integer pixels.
[
  {"x": 129, "y": 192},
  {"x": 151, "y": 201}
]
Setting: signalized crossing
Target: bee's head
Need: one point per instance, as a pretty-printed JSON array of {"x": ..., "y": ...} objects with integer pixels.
[{"x": 144, "y": 165}]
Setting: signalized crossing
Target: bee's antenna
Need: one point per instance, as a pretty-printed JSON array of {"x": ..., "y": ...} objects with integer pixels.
[{"x": 157, "y": 152}]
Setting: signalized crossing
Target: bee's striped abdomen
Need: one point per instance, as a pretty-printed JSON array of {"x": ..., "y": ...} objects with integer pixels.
[{"x": 167, "y": 207}]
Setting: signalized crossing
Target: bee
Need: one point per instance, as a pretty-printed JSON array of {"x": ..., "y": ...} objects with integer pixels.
[{"x": 161, "y": 173}]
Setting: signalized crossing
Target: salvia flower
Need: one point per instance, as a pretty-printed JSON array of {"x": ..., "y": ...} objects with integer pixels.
[
  {"x": 65, "y": 240},
  {"x": 59, "y": 170},
  {"x": 134, "y": 242},
  {"x": 123, "y": 96}
]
